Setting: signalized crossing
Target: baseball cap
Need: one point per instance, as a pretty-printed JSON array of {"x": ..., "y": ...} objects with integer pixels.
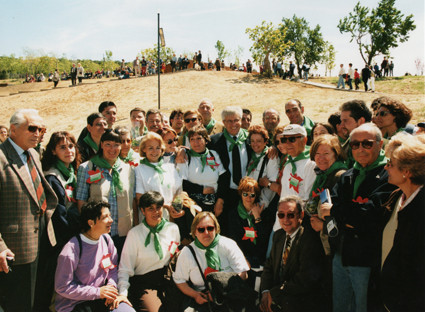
[{"x": 294, "y": 129}]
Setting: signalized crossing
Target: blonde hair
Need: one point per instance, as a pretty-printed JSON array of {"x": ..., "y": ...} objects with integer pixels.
[
  {"x": 151, "y": 136},
  {"x": 199, "y": 217}
]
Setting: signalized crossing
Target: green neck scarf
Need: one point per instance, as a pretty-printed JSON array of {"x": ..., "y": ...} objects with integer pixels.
[
  {"x": 323, "y": 175},
  {"x": 157, "y": 168},
  {"x": 155, "y": 230},
  {"x": 308, "y": 124},
  {"x": 116, "y": 181},
  {"x": 68, "y": 173},
  {"x": 255, "y": 160},
  {"x": 89, "y": 141},
  {"x": 210, "y": 125},
  {"x": 203, "y": 156},
  {"x": 213, "y": 260},
  {"x": 240, "y": 139},
  {"x": 292, "y": 161},
  {"x": 129, "y": 156},
  {"x": 245, "y": 215},
  {"x": 380, "y": 161}
]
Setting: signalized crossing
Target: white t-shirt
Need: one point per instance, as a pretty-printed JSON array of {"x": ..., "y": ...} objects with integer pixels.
[
  {"x": 136, "y": 259},
  {"x": 147, "y": 179},
  {"x": 231, "y": 260},
  {"x": 193, "y": 172},
  {"x": 271, "y": 171}
]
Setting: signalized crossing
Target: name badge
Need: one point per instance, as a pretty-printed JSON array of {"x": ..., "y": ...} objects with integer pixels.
[
  {"x": 250, "y": 234},
  {"x": 106, "y": 263},
  {"x": 294, "y": 182},
  {"x": 94, "y": 176}
]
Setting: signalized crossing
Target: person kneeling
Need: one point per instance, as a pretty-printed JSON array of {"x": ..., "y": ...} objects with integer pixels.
[{"x": 86, "y": 274}]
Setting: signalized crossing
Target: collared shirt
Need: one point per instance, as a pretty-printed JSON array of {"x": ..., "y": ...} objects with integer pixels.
[
  {"x": 21, "y": 154},
  {"x": 244, "y": 161},
  {"x": 83, "y": 191}
]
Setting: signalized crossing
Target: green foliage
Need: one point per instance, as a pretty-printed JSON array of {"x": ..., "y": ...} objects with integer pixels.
[
  {"x": 222, "y": 53},
  {"x": 307, "y": 43},
  {"x": 238, "y": 54},
  {"x": 166, "y": 53},
  {"x": 268, "y": 41},
  {"x": 328, "y": 58},
  {"x": 378, "y": 30}
]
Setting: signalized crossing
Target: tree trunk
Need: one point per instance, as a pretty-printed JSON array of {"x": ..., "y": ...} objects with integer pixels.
[{"x": 267, "y": 68}]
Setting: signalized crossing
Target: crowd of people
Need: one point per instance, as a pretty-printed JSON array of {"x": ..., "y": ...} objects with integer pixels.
[{"x": 313, "y": 216}]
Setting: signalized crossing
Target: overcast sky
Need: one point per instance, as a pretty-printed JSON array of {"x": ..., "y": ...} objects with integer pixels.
[{"x": 82, "y": 29}]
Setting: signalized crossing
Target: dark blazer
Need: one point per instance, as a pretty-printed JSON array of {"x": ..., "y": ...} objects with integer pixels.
[
  {"x": 218, "y": 143},
  {"x": 361, "y": 242},
  {"x": 19, "y": 207},
  {"x": 300, "y": 288},
  {"x": 403, "y": 272}
]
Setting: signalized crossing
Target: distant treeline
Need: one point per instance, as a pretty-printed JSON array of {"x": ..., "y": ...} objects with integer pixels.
[{"x": 12, "y": 67}]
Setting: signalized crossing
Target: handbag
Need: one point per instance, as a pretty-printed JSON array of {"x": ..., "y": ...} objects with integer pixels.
[{"x": 228, "y": 291}]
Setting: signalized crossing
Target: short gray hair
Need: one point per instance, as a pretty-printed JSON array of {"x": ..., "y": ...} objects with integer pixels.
[
  {"x": 20, "y": 116},
  {"x": 206, "y": 101},
  {"x": 271, "y": 110},
  {"x": 231, "y": 110},
  {"x": 368, "y": 127},
  {"x": 293, "y": 199}
]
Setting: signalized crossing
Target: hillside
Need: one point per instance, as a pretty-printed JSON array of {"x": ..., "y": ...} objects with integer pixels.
[{"x": 66, "y": 108}]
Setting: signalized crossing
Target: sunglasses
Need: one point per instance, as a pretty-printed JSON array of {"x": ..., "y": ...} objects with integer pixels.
[
  {"x": 187, "y": 120},
  {"x": 289, "y": 215},
  {"x": 283, "y": 140},
  {"x": 252, "y": 195},
  {"x": 171, "y": 141},
  {"x": 366, "y": 144},
  {"x": 34, "y": 129},
  {"x": 382, "y": 113},
  {"x": 126, "y": 141},
  {"x": 208, "y": 228}
]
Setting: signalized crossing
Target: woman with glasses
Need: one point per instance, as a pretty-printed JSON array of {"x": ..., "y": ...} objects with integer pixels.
[
  {"x": 153, "y": 174},
  {"x": 106, "y": 177},
  {"x": 127, "y": 154},
  {"x": 169, "y": 135},
  {"x": 191, "y": 119},
  {"x": 214, "y": 253},
  {"x": 203, "y": 172},
  {"x": 391, "y": 117},
  {"x": 403, "y": 239},
  {"x": 148, "y": 249},
  {"x": 248, "y": 229}
]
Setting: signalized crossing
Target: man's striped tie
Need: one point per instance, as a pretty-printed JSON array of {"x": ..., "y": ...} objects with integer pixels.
[{"x": 41, "y": 196}]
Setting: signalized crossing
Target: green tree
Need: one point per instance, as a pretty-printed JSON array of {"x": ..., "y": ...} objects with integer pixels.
[
  {"x": 238, "y": 54},
  {"x": 328, "y": 57},
  {"x": 308, "y": 44},
  {"x": 222, "y": 53},
  {"x": 378, "y": 30},
  {"x": 268, "y": 41},
  {"x": 166, "y": 53}
]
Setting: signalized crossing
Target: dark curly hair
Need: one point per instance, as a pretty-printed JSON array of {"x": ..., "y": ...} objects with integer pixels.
[{"x": 401, "y": 112}]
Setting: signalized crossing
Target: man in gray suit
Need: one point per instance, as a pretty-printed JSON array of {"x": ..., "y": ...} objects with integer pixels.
[{"x": 27, "y": 203}]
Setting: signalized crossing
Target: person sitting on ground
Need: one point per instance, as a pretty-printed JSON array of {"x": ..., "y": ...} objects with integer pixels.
[
  {"x": 86, "y": 274},
  {"x": 148, "y": 249},
  {"x": 214, "y": 253}
]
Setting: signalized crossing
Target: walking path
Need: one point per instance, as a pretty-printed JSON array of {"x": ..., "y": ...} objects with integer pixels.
[{"x": 328, "y": 86}]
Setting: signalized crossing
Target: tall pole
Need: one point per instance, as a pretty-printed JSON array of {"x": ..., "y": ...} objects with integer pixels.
[{"x": 159, "y": 71}]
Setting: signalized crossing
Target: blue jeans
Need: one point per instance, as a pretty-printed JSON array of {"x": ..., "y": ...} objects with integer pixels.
[
  {"x": 350, "y": 285},
  {"x": 341, "y": 81},
  {"x": 305, "y": 75}
]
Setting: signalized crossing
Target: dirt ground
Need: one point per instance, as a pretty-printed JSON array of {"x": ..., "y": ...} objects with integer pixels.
[{"x": 66, "y": 108}]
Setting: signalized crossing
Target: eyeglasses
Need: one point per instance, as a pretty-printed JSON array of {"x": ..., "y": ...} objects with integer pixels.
[
  {"x": 289, "y": 215},
  {"x": 367, "y": 144},
  {"x": 171, "y": 141},
  {"x": 126, "y": 141},
  {"x": 208, "y": 228},
  {"x": 283, "y": 140},
  {"x": 382, "y": 113},
  {"x": 252, "y": 195},
  {"x": 187, "y": 120},
  {"x": 34, "y": 129}
]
